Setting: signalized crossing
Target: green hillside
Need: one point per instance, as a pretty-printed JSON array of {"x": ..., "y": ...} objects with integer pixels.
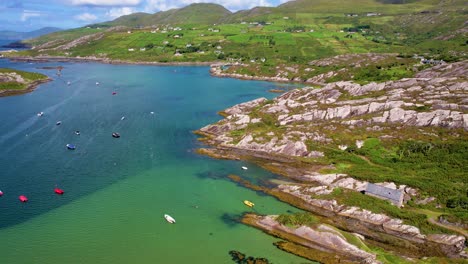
[
  {"x": 200, "y": 13},
  {"x": 294, "y": 32}
]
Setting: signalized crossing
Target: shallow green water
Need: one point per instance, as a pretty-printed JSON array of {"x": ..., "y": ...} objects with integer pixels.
[{"x": 117, "y": 190}]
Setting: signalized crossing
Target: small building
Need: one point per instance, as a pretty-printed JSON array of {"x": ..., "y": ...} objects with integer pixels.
[
  {"x": 131, "y": 49},
  {"x": 392, "y": 195}
]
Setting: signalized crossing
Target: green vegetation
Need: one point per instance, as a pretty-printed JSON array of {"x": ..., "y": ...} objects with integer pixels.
[
  {"x": 297, "y": 219},
  {"x": 293, "y": 33},
  {"x": 352, "y": 198},
  {"x": 436, "y": 168},
  {"x": 10, "y": 83}
]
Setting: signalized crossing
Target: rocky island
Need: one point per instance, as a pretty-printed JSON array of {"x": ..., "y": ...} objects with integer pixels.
[
  {"x": 14, "y": 82},
  {"x": 362, "y": 158}
]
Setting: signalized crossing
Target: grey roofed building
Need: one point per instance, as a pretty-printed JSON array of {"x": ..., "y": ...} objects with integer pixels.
[{"x": 385, "y": 193}]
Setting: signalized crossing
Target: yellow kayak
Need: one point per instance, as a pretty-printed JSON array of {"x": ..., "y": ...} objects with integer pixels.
[{"x": 248, "y": 203}]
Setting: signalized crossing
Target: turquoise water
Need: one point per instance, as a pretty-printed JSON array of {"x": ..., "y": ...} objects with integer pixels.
[{"x": 117, "y": 190}]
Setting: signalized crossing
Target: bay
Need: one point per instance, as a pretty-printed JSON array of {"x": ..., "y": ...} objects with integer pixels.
[{"x": 118, "y": 189}]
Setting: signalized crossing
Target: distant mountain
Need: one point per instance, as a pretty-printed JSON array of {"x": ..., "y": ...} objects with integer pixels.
[
  {"x": 13, "y": 35},
  {"x": 200, "y": 13}
]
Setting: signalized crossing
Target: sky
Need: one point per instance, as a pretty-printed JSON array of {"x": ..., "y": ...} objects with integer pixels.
[{"x": 29, "y": 15}]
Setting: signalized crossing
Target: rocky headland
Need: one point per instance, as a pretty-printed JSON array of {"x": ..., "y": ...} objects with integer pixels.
[
  {"x": 15, "y": 79},
  {"x": 287, "y": 133}
]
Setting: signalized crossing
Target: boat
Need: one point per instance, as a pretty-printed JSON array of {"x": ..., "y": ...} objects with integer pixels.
[
  {"x": 114, "y": 93},
  {"x": 77, "y": 132},
  {"x": 68, "y": 83},
  {"x": 152, "y": 113},
  {"x": 244, "y": 168},
  {"x": 116, "y": 135},
  {"x": 23, "y": 198},
  {"x": 249, "y": 203},
  {"x": 1, "y": 193},
  {"x": 71, "y": 146},
  {"x": 58, "y": 123},
  {"x": 40, "y": 114},
  {"x": 169, "y": 219},
  {"x": 59, "y": 191},
  {"x": 122, "y": 118},
  {"x": 97, "y": 83}
]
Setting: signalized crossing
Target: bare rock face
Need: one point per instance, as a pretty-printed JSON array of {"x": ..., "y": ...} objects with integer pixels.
[
  {"x": 369, "y": 223},
  {"x": 321, "y": 237},
  {"x": 411, "y": 102},
  {"x": 246, "y": 107}
]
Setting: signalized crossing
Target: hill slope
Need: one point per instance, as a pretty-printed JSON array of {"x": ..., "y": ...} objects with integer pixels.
[{"x": 200, "y": 13}]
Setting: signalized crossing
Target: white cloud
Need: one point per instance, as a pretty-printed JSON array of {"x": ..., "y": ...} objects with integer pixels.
[
  {"x": 118, "y": 12},
  {"x": 29, "y": 13},
  {"x": 233, "y": 5},
  {"x": 87, "y": 17},
  {"x": 106, "y": 2}
]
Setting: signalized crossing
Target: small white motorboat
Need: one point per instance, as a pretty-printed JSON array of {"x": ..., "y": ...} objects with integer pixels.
[
  {"x": 152, "y": 113},
  {"x": 40, "y": 114},
  {"x": 244, "y": 167},
  {"x": 169, "y": 219},
  {"x": 58, "y": 123},
  {"x": 68, "y": 83},
  {"x": 122, "y": 118},
  {"x": 77, "y": 132},
  {"x": 97, "y": 83}
]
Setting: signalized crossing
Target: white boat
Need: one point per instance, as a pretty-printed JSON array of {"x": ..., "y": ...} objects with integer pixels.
[
  {"x": 40, "y": 114},
  {"x": 152, "y": 113},
  {"x": 244, "y": 167},
  {"x": 169, "y": 219},
  {"x": 122, "y": 118},
  {"x": 97, "y": 83},
  {"x": 68, "y": 83},
  {"x": 58, "y": 123}
]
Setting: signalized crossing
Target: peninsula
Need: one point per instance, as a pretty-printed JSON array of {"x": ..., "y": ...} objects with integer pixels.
[
  {"x": 381, "y": 161},
  {"x": 14, "y": 82}
]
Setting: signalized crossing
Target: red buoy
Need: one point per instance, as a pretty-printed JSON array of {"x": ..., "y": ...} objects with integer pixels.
[
  {"x": 59, "y": 191},
  {"x": 23, "y": 198}
]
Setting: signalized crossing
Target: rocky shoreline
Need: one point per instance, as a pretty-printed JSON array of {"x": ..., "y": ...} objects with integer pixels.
[
  {"x": 31, "y": 87},
  {"x": 103, "y": 60},
  {"x": 435, "y": 98}
]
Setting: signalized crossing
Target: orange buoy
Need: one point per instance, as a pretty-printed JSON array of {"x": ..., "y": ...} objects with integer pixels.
[
  {"x": 59, "y": 191},
  {"x": 23, "y": 198}
]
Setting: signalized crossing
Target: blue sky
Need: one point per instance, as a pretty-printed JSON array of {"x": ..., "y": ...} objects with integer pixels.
[{"x": 28, "y": 15}]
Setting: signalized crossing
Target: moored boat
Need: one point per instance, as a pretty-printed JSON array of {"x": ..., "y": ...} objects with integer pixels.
[
  {"x": 40, "y": 114},
  {"x": 169, "y": 219},
  {"x": 71, "y": 146},
  {"x": 115, "y": 135},
  {"x": 77, "y": 132},
  {"x": 1, "y": 193},
  {"x": 58, "y": 123},
  {"x": 23, "y": 198},
  {"x": 244, "y": 167},
  {"x": 249, "y": 203},
  {"x": 59, "y": 191}
]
